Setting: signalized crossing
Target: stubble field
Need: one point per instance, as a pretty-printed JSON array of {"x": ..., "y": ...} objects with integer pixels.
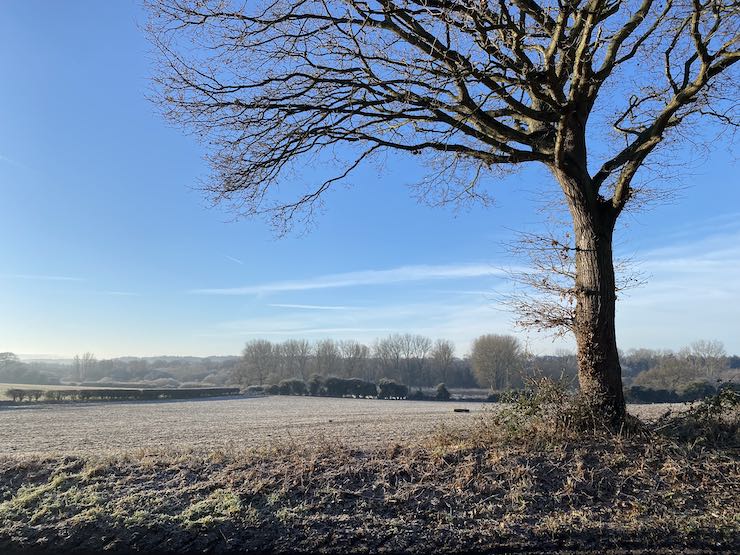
[{"x": 207, "y": 425}]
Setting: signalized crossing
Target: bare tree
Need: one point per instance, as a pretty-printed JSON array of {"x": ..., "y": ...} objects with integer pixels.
[
  {"x": 388, "y": 353},
  {"x": 496, "y": 359},
  {"x": 327, "y": 357},
  {"x": 476, "y": 85},
  {"x": 296, "y": 354},
  {"x": 355, "y": 357},
  {"x": 258, "y": 360},
  {"x": 82, "y": 365},
  {"x": 414, "y": 351},
  {"x": 708, "y": 357},
  {"x": 443, "y": 356},
  {"x": 8, "y": 359}
]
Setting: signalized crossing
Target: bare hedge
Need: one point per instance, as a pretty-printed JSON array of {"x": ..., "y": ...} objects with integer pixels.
[{"x": 119, "y": 394}]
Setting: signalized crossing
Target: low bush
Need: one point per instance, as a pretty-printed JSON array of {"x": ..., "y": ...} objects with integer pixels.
[
  {"x": 388, "y": 389},
  {"x": 316, "y": 385},
  {"x": 335, "y": 387},
  {"x": 417, "y": 395},
  {"x": 272, "y": 389},
  {"x": 641, "y": 394},
  {"x": 292, "y": 387},
  {"x": 545, "y": 410},
  {"x": 16, "y": 394},
  {"x": 713, "y": 421},
  {"x": 443, "y": 394},
  {"x": 360, "y": 388}
]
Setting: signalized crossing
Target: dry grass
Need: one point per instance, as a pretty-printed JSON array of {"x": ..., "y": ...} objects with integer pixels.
[{"x": 440, "y": 497}]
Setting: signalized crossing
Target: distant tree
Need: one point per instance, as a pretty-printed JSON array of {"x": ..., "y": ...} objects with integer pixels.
[
  {"x": 589, "y": 90},
  {"x": 495, "y": 359},
  {"x": 561, "y": 366},
  {"x": 355, "y": 357},
  {"x": 672, "y": 373},
  {"x": 388, "y": 353},
  {"x": 82, "y": 366},
  {"x": 709, "y": 357},
  {"x": 443, "y": 393},
  {"x": 327, "y": 357},
  {"x": 7, "y": 359},
  {"x": 296, "y": 357},
  {"x": 640, "y": 360},
  {"x": 415, "y": 351},
  {"x": 443, "y": 357},
  {"x": 258, "y": 361}
]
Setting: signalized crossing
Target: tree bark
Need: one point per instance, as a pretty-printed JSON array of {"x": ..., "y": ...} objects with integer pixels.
[{"x": 599, "y": 371}]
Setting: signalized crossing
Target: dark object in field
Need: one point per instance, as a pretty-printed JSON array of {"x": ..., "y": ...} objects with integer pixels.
[{"x": 461, "y": 410}]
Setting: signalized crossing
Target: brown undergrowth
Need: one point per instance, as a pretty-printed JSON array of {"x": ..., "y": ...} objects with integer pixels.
[{"x": 534, "y": 484}]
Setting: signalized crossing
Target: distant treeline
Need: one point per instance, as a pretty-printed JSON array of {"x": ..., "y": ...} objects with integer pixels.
[
  {"x": 18, "y": 394},
  {"x": 496, "y": 363},
  {"x": 695, "y": 392},
  {"x": 146, "y": 372}
]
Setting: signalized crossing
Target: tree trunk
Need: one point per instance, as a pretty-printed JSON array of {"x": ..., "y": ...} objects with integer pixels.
[{"x": 599, "y": 372}]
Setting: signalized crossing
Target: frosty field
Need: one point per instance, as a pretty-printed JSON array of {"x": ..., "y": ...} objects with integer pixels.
[{"x": 89, "y": 428}]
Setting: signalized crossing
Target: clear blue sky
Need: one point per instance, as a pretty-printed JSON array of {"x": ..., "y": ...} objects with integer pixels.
[{"x": 106, "y": 246}]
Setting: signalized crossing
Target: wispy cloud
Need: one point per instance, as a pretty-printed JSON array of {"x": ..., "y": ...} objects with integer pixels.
[
  {"x": 11, "y": 162},
  {"x": 459, "y": 321},
  {"x": 312, "y": 306},
  {"x": 366, "y": 277},
  {"x": 691, "y": 291},
  {"x": 236, "y": 260},
  {"x": 40, "y": 277},
  {"x": 692, "y": 288},
  {"x": 298, "y": 332}
]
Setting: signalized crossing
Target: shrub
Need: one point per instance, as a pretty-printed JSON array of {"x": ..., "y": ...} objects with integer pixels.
[
  {"x": 642, "y": 394},
  {"x": 360, "y": 388},
  {"x": 15, "y": 394},
  {"x": 545, "y": 410},
  {"x": 316, "y": 385},
  {"x": 292, "y": 387},
  {"x": 388, "y": 389},
  {"x": 713, "y": 421},
  {"x": 336, "y": 387},
  {"x": 417, "y": 395},
  {"x": 272, "y": 389},
  {"x": 443, "y": 394},
  {"x": 53, "y": 395},
  {"x": 696, "y": 391},
  {"x": 136, "y": 394},
  {"x": 34, "y": 394}
]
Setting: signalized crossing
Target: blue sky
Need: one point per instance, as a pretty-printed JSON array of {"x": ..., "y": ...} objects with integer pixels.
[{"x": 107, "y": 246}]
